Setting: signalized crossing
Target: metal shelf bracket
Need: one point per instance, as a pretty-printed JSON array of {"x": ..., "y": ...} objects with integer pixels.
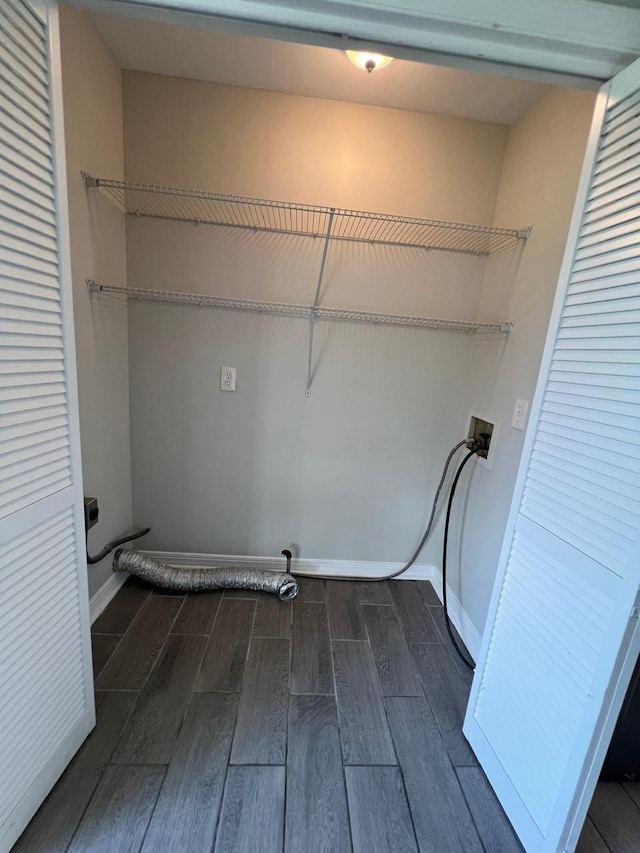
[{"x": 316, "y": 299}]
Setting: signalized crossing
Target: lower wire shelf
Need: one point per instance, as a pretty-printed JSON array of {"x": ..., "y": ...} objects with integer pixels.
[{"x": 293, "y": 309}]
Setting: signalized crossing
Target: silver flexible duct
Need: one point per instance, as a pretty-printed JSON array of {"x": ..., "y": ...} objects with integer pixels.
[{"x": 283, "y": 585}]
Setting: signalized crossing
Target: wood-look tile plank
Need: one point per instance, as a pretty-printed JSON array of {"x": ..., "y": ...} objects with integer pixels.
[
  {"x": 224, "y": 660},
  {"x": 380, "y": 819},
  {"x": 633, "y": 789},
  {"x": 496, "y": 833},
  {"x": 428, "y": 593},
  {"x": 616, "y": 816},
  {"x": 261, "y": 729},
  {"x": 448, "y": 696},
  {"x": 102, "y": 647},
  {"x": 122, "y": 609},
  {"x": 311, "y": 589},
  {"x": 273, "y": 617},
  {"x": 440, "y": 814},
  {"x": 252, "y": 819},
  {"x": 374, "y": 592},
  {"x": 393, "y": 660},
  {"x": 152, "y": 730},
  {"x": 188, "y": 806},
  {"x": 129, "y": 666},
  {"x": 464, "y": 672},
  {"x": 161, "y": 590},
  {"x": 198, "y": 613},
  {"x": 364, "y": 732},
  {"x": 57, "y": 818},
  {"x": 311, "y": 670},
  {"x": 345, "y": 620},
  {"x": 118, "y": 814},
  {"x": 590, "y": 840},
  {"x": 415, "y": 616},
  {"x": 317, "y": 818}
]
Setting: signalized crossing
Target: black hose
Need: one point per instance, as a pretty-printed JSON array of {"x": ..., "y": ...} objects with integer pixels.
[
  {"x": 110, "y": 546},
  {"x": 447, "y": 621}
]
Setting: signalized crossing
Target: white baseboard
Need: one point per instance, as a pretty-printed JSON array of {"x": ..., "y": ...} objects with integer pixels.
[
  {"x": 459, "y": 617},
  {"x": 337, "y": 569},
  {"x": 103, "y": 596},
  {"x": 324, "y": 568},
  {"x": 464, "y": 625}
]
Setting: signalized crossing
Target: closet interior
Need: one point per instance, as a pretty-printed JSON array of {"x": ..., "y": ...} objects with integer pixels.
[{"x": 296, "y": 285}]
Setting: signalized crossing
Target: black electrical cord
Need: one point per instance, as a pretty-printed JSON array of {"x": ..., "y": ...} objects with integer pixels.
[
  {"x": 459, "y": 651},
  {"x": 109, "y": 547}
]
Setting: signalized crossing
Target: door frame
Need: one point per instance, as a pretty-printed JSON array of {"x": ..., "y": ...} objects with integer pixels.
[
  {"x": 575, "y": 43},
  {"x": 66, "y": 297}
]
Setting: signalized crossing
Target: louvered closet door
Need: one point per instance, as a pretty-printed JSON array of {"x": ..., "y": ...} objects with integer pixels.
[
  {"x": 561, "y": 635},
  {"x": 46, "y": 701}
]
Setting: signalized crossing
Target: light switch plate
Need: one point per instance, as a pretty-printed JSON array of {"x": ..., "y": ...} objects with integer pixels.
[
  {"x": 520, "y": 414},
  {"x": 227, "y": 379}
]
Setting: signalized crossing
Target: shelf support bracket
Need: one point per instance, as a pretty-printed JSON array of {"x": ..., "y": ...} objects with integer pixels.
[
  {"x": 89, "y": 181},
  {"x": 314, "y": 309}
]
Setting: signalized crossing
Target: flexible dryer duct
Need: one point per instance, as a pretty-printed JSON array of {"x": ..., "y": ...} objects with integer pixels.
[{"x": 282, "y": 584}]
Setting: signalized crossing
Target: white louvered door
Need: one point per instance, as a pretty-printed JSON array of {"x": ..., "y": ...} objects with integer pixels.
[
  {"x": 562, "y": 632},
  {"x": 46, "y": 697}
]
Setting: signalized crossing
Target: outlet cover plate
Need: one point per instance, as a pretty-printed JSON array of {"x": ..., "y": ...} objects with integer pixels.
[
  {"x": 227, "y": 379},
  {"x": 519, "y": 417}
]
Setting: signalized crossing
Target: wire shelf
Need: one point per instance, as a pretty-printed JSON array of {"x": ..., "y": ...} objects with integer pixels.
[
  {"x": 161, "y": 202},
  {"x": 308, "y": 311}
]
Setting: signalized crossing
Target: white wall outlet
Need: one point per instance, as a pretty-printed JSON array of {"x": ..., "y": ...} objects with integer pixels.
[
  {"x": 227, "y": 379},
  {"x": 520, "y": 414}
]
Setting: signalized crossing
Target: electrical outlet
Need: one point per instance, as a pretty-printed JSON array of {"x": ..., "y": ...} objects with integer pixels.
[
  {"x": 485, "y": 429},
  {"x": 520, "y": 414},
  {"x": 91, "y": 512},
  {"x": 227, "y": 379}
]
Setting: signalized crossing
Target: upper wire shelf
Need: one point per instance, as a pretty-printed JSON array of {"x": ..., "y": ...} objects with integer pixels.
[{"x": 197, "y": 206}]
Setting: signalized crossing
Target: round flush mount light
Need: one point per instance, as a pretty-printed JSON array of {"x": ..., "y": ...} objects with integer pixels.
[{"x": 368, "y": 61}]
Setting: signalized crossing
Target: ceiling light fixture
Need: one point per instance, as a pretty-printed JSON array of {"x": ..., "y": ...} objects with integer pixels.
[{"x": 368, "y": 61}]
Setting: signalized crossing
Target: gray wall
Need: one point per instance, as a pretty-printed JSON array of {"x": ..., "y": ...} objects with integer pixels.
[
  {"x": 349, "y": 472},
  {"x": 345, "y": 474},
  {"x": 540, "y": 176},
  {"x": 92, "y": 93}
]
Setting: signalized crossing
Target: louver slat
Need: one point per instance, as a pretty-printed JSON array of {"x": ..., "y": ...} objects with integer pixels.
[
  {"x": 14, "y": 44},
  {"x": 26, "y": 211}
]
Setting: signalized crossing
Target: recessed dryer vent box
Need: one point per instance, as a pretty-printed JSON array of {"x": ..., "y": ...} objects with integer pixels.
[{"x": 483, "y": 428}]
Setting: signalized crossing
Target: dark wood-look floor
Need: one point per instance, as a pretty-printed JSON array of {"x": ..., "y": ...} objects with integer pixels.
[
  {"x": 613, "y": 825},
  {"x": 233, "y": 722}
]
